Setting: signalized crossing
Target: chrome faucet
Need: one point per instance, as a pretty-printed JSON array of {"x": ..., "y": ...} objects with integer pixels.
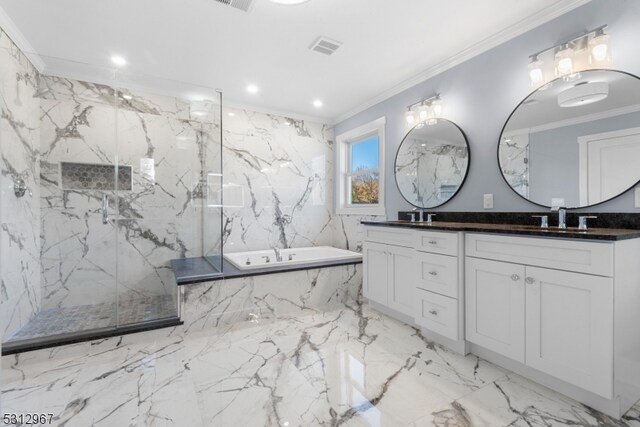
[
  {"x": 562, "y": 218},
  {"x": 278, "y": 254},
  {"x": 421, "y": 212}
]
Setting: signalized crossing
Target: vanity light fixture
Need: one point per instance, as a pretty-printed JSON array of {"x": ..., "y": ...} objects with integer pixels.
[
  {"x": 410, "y": 116},
  {"x": 425, "y": 111},
  {"x": 536, "y": 74},
  {"x": 599, "y": 47},
  {"x": 570, "y": 57},
  {"x": 564, "y": 61}
]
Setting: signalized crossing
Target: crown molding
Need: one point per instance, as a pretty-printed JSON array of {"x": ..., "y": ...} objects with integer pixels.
[
  {"x": 11, "y": 29},
  {"x": 482, "y": 46}
]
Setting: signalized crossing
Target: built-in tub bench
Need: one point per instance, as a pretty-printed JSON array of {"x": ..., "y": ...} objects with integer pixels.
[{"x": 211, "y": 299}]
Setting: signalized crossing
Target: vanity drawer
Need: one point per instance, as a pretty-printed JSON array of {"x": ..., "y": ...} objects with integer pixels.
[
  {"x": 438, "y": 273},
  {"x": 437, "y": 313},
  {"x": 389, "y": 235},
  {"x": 437, "y": 242},
  {"x": 561, "y": 254}
]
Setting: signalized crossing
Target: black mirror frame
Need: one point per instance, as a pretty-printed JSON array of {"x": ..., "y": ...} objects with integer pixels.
[
  {"x": 516, "y": 109},
  {"x": 466, "y": 174}
]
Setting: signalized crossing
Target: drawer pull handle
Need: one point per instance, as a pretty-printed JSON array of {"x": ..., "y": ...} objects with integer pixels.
[
  {"x": 530, "y": 280},
  {"x": 433, "y": 273},
  {"x": 433, "y": 242},
  {"x": 433, "y": 312},
  {"x": 515, "y": 277}
]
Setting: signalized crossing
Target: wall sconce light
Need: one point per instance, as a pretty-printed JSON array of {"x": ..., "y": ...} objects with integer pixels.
[
  {"x": 599, "y": 47},
  {"x": 564, "y": 60},
  {"x": 424, "y": 111},
  {"x": 570, "y": 57},
  {"x": 536, "y": 75},
  {"x": 410, "y": 116}
]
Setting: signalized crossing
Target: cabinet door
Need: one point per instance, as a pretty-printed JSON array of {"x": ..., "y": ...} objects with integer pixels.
[
  {"x": 570, "y": 327},
  {"x": 375, "y": 272},
  {"x": 495, "y": 306},
  {"x": 402, "y": 279}
]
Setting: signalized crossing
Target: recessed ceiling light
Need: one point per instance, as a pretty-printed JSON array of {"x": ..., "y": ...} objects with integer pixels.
[
  {"x": 118, "y": 60},
  {"x": 289, "y": 2},
  {"x": 317, "y": 103},
  {"x": 252, "y": 89},
  {"x": 231, "y": 114}
]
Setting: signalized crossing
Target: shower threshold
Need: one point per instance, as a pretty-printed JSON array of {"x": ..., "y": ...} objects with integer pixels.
[
  {"x": 32, "y": 344},
  {"x": 65, "y": 325}
]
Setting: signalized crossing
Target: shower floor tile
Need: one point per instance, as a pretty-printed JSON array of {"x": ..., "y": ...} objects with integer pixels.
[{"x": 64, "y": 320}]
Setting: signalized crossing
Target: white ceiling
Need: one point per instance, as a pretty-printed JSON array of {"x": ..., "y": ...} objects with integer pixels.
[{"x": 389, "y": 45}]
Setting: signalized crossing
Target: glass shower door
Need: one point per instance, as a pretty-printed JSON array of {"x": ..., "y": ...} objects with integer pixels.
[{"x": 77, "y": 190}]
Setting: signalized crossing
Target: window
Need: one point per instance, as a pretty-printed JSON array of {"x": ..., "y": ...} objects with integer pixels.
[{"x": 360, "y": 170}]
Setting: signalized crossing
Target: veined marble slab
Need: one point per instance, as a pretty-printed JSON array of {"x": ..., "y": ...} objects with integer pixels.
[{"x": 348, "y": 367}]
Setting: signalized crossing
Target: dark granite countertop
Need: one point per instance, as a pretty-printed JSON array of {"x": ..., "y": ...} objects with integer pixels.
[
  {"x": 197, "y": 270},
  {"x": 610, "y": 234}
]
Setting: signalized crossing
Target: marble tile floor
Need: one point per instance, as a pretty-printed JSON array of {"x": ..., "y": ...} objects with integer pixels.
[
  {"x": 63, "y": 320},
  {"x": 351, "y": 367}
]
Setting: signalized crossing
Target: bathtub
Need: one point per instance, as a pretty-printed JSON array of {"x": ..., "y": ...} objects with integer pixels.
[{"x": 290, "y": 257}]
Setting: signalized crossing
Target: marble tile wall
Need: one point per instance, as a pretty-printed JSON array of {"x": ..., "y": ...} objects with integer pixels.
[
  {"x": 258, "y": 298},
  {"x": 159, "y": 219},
  {"x": 278, "y": 185},
  {"x": 20, "y": 293}
]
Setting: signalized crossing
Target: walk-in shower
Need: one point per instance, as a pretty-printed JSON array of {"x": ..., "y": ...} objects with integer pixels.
[{"x": 102, "y": 185}]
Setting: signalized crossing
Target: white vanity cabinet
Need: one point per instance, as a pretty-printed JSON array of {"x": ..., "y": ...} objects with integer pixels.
[
  {"x": 417, "y": 274},
  {"x": 389, "y": 265},
  {"x": 557, "y": 306},
  {"x": 561, "y": 311},
  {"x": 438, "y": 281}
]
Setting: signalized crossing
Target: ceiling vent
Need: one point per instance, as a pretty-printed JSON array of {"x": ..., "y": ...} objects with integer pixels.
[
  {"x": 325, "y": 45},
  {"x": 244, "y": 5}
]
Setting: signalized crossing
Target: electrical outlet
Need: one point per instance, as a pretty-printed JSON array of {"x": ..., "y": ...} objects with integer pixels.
[
  {"x": 637, "y": 194},
  {"x": 488, "y": 201}
]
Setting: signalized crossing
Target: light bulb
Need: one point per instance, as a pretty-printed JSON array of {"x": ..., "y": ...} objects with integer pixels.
[
  {"x": 536, "y": 76},
  {"x": 564, "y": 61},
  {"x": 423, "y": 112},
  {"x": 436, "y": 107},
  {"x": 410, "y": 117},
  {"x": 599, "y": 47}
]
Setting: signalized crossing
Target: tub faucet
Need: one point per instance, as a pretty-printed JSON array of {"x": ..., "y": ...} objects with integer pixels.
[{"x": 278, "y": 254}]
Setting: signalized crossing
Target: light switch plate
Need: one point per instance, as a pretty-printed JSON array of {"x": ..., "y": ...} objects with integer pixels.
[
  {"x": 637, "y": 198},
  {"x": 488, "y": 201}
]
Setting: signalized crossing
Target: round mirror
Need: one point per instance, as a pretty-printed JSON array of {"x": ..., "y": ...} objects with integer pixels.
[
  {"x": 574, "y": 142},
  {"x": 432, "y": 163}
]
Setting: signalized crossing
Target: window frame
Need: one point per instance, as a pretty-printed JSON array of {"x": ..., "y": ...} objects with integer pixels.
[{"x": 344, "y": 174}]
